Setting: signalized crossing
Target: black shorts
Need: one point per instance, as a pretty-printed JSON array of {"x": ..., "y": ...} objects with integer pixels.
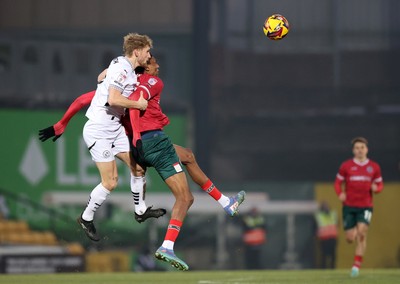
[{"x": 354, "y": 215}]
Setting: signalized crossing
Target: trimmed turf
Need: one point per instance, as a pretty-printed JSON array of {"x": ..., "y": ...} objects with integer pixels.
[{"x": 367, "y": 276}]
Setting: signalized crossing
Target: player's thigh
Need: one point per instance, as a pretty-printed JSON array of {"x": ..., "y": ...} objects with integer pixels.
[
  {"x": 135, "y": 168},
  {"x": 362, "y": 228},
  {"x": 349, "y": 216},
  {"x": 364, "y": 216},
  {"x": 179, "y": 186},
  {"x": 184, "y": 154},
  {"x": 121, "y": 143},
  {"x": 351, "y": 234},
  {"x": 160, "y": 154},
  {"x": 100, "y": 148},
  {"x": 108, "y": 173}
]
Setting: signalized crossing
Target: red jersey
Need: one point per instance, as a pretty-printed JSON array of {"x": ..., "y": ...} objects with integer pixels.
[
  {"x": 358, "y": 178},
  {"x": 152, "y": 118}
]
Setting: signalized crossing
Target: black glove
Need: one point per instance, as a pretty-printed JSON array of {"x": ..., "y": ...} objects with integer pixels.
[{"x": 47, "y": 133}]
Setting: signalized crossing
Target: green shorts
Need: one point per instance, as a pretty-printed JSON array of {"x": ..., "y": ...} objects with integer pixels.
[
  {"x": 159, "y": 152},
  {"x": 354, "y": 215}
]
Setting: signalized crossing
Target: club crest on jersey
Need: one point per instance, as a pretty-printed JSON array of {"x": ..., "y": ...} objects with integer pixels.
[
  {"x": 152, "y": 81},
  {"x": 370, "y": 169}
]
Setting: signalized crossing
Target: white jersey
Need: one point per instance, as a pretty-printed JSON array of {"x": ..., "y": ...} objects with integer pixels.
[{"x": 121, "y": 76}]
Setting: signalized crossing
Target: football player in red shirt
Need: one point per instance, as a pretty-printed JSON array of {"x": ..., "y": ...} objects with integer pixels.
[
  {"x": 361, "y": 178},
  {"x": 151, "y": 86},
  {"x": 154, "y": 149}
]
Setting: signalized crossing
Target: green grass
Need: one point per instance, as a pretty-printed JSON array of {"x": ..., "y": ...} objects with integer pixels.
[{"x": 367, "y": 276}]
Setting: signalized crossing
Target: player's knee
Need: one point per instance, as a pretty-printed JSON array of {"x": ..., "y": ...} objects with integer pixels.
[
  {"x": 188, "y": 157},
  {"x": 138, "y": 172},
  {"x": 186, "y": 199},
  {"x": 111, "y": 183},
  {"x": 190, "y": 200},
  {"x": 362, "y": 236},
  {"x": 350, "y": 238}
]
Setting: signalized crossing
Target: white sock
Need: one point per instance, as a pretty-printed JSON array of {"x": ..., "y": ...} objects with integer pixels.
[
  {"x": 224, "y": 200},
  {"x": 168, "y": 244},
  {"x": 137, "y": 188},
  {"x": 96, "y": 198}
]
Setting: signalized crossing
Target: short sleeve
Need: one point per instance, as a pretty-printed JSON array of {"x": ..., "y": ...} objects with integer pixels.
[
  {"x": 152, "y": 86},
  {"x": 118, "y": 77}
]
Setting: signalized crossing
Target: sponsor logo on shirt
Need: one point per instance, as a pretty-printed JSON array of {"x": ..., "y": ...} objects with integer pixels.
[{"x": 360, "y": 178}]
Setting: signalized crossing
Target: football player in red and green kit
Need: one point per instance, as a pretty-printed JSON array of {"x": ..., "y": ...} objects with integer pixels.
[
  {"x": 151, "y": 87},
  {"x": 361, "y": 178}
]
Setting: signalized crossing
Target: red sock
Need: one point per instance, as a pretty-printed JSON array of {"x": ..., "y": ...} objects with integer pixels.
[
  {"x": 212, "y": 190},
  {"x": 358, "y": 260},
  {"x": 173, "y": 230}
]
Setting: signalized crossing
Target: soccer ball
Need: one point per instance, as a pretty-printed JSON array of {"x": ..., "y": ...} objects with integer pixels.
[{"x": 276, "y": 27}]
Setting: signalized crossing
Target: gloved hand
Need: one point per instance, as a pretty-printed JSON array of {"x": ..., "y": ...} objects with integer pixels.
[{"x": 47, "y": 133}]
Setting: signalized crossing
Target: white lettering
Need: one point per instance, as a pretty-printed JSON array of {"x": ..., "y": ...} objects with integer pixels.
[
  {"x": 85, "y": 164},
  {"x": 360, "y": 178},
  {"x": 63, "y": 178}
]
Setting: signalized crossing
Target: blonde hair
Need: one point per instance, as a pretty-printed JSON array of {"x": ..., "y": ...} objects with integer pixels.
[{"x": 134, "y": 41}]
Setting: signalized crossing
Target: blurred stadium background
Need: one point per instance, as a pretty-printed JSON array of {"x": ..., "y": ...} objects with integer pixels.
[{"x": 272, "y": 118}]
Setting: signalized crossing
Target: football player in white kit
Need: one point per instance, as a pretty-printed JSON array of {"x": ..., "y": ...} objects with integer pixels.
[{"x": 103, "y": 133}]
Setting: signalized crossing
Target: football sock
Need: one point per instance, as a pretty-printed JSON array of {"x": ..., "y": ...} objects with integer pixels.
[
  {"x": 357, "y": 261},
  {"x": 213, "y": 191},
  {"x": 172, "y": 233},
  {"x": 137, "y": 188},
  {"x": 96, "y": 198}
]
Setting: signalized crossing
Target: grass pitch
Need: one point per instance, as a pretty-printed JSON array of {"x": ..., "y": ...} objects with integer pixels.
[{"x": 367, "y": 276}]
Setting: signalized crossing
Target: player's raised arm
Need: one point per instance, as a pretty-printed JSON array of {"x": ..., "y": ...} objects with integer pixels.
[{"x": 58, "y": 129}]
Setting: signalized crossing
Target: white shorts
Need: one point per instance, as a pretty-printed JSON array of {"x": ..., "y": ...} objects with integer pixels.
[{"x": 105, "y": 141}]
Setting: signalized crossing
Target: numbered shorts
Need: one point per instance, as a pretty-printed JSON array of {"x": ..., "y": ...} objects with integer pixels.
[
  {"x": 159, "y": 152},
  {"x": 105, "y": 141},
  {"x": 354, "y": 215}
]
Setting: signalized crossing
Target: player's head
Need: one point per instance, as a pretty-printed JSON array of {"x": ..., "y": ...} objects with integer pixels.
[
  {"x": 152, "y": 67},
  {"x": 360, "y": 148},
  {"x": 138, "y": 46}
]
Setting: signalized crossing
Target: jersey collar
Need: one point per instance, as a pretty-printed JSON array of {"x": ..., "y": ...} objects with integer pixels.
[
  {"x": 360, "y": 163},
  {"x": 129, "y": 62}
]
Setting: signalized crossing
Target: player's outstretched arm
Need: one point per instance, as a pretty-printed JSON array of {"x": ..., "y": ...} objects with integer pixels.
[{"x": 58, "y": 129}]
